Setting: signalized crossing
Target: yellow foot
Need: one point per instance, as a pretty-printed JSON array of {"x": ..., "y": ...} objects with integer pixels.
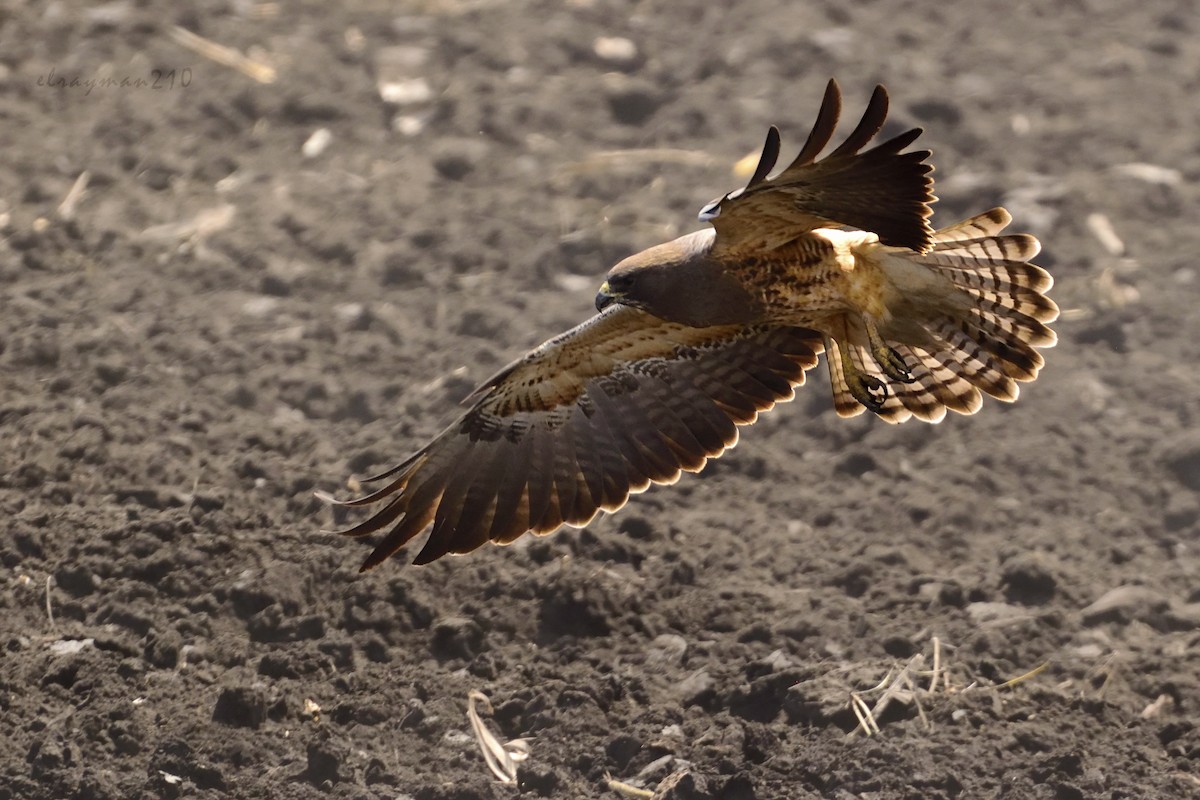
[
  {"x": 866, "y": 389},
  {"x": 890, "y": 361}
]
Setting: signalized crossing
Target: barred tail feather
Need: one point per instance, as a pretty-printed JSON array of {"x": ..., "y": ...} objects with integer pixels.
[
  {"x": 988, "y": 347},
  {"x": 993, "y": 346}
]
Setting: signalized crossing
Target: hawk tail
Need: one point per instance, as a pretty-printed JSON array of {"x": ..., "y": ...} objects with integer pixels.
[{"x": 986, "y": 345}]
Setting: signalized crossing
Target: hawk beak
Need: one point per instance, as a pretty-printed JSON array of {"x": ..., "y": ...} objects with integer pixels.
[{"x": 604, "y": 298}]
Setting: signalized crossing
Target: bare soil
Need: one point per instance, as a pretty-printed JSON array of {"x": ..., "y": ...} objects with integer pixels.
[{"x": 221, "y": 324}]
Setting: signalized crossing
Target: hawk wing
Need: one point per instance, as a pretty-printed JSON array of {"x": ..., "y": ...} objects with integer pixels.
[
  {"x": 882, "y": 190},
  {"x": 580, "y": 423}
]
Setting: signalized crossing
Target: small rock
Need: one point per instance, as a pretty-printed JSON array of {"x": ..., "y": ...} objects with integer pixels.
[
  {"x": 616, "y": 50},
  {"x": 316, "y": 143},
  {"x": 1125, "y": 604},
  {"x": 409, "y": 124},
  {"x": 408, "y": 92}
]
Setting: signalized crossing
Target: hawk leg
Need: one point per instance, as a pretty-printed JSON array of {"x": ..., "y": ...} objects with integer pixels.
[
  {"x": 891, "y": 362},
  {"x": 866, "y": 389}
]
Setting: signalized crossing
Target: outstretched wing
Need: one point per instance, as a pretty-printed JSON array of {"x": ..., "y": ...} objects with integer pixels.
[
  {"x": 882, "y": 190},
  {"x": 580, "y": 423}
]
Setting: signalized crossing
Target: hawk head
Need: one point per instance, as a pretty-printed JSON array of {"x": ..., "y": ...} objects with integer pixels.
[{"x": 679, "y": 282}]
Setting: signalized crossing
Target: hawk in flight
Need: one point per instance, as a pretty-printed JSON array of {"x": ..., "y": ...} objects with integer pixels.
[{"x": 696, "y": 336}]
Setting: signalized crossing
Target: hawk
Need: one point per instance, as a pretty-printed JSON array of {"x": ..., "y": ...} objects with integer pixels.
[{"x": 699, "y": 335}]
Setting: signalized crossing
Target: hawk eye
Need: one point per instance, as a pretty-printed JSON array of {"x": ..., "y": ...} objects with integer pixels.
[{"x": 620, "y": 283}]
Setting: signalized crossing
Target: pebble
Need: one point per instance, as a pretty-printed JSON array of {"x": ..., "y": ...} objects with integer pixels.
[
  {"x": 316, "y": 143},
  {"x": 409, "y": 124},
  {"x": 409, "y": 92},
  {"x": 616, "y": 50}
]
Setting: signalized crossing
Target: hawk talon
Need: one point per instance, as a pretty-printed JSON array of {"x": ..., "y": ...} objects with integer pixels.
[
  {"x": 866, "y": 389},
  {"x": 873, "y": 390},
  {"x": 893, "y": 365},
  {"x": 886, "y": 356}
]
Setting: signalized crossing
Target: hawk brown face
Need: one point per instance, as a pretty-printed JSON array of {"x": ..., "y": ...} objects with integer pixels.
[{"x": 679, "y": 282}]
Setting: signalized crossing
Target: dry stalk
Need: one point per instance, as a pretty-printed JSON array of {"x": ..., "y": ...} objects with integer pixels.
[
  {"x": 66, "y": 209},
  {"x": 225, "y": 56},
  {"x": 900, "y": 685},
  {"x": 502, "y": 759},
  {"x": 627, "y": 789},
  {"x": 49, "y": 609}
]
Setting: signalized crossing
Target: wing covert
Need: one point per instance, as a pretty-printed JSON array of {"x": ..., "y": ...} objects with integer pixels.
[{"x": 579, "y": 424}]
